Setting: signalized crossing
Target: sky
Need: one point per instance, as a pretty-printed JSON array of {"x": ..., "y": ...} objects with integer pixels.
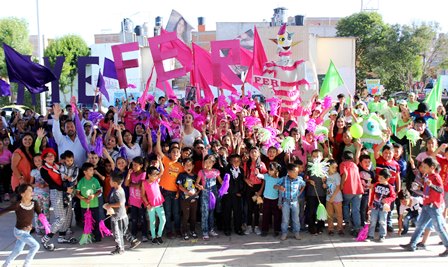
[{"x": 87, "y": 17}]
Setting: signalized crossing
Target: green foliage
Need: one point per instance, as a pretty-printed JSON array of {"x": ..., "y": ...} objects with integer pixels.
[
  {"x": 397, "y": 54},
  {"x": 13, "y": 32},
  {"x": 71, "y": 47}
]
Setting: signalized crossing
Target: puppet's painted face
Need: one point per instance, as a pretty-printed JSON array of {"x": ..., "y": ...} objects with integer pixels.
[
  {"x": 373, "y": 127},
  {"x": 284, "y": 41}
]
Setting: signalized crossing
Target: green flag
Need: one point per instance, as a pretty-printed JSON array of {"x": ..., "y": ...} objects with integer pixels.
[
  {"x": 433, "y": 100},
  {"x": 331, "y": 81}
]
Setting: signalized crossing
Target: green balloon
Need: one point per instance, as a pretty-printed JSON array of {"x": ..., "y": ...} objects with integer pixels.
[{"x": 356, "y": 130}]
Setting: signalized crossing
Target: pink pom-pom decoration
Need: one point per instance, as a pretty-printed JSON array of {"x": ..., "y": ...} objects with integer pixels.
[
  {"x": 43, "y": 220},
  {"x": 233, "y": 99},
  {"x": 230, "y": 112},
  {"x": 166, "y": 125},
  {"x": 104, "y": 230},
  {"x": 362, "y": 235},
  {"x": 311, "y": 125},
  {"x": 204, "y": 101},
  {"x": 250, "y": 122},
  {"x": 150, "y": 98},
  {"x": 176, "y": 113},
  {"x": 133, "y": 86},
  {"x": 222, "y": 103},
  {"x": 328, "y": 102},
  {"x": 88, "y": 222},
  {"x": 274, "y": 104}
]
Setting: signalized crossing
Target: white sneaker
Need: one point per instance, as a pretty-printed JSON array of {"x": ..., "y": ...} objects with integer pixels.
[
  {"x": 248, "y": 230},
  {"x": 213, "y": 233},
  {"x": 257, "y": 230}
]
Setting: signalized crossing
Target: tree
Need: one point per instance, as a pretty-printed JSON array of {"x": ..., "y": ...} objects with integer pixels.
[
  {"x": 71, "y": 47},
  {"x": 369, "y": 30},
  {"x": 13, "y": 32},
  {"x": 399, "y": 55},
  {"x": 397, "y": 59}
]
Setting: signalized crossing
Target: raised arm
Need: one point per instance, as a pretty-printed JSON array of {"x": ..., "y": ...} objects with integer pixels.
[
  {"x": 119, "y": 136},
  {"x": 58, "y": 137},
  {"x": 158, "y": 148}
]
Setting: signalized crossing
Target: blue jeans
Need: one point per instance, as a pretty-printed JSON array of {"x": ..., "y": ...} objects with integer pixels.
[
  {"x": 363, "y": 208},
  {"x": 293, "y": 209},
  {"x": 354, "y": 202},
  {"x": 434, "y": 215},
  {"x": 23, "y": 238},
  {"x": 207, "y": 214},
  {"x": 380, "y": 217},
  {"x": 412, "y": 215},
  {"x": 172, "y": 209}
]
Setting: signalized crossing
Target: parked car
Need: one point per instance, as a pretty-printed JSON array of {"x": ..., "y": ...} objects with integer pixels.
[{"x": 18, "y": 108}]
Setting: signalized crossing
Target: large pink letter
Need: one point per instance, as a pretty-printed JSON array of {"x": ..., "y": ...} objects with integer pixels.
[
  {"x": 221, "y": 64},
  {"x": 120, "y": 64},
  {"x": 162, "y": 49}
]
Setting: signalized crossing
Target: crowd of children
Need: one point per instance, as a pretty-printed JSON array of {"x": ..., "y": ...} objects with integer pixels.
[{"x": 163, "y": 168}]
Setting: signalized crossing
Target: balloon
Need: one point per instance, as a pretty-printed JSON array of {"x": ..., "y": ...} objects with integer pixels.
[{"x": 356, "y": 130}]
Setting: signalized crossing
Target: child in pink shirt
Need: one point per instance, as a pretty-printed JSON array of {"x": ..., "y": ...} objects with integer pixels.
[
  {"x": 153, "y": 199},
  {"x": 134, "y": 180}
]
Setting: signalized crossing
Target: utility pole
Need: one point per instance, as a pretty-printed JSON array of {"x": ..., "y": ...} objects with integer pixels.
[{"x": 43, "y": 98}]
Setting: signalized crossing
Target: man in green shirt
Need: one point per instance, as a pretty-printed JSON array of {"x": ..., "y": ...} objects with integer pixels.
[
  {"x": 375, "y": 105},
  {"x": 412, "y": 102},
  {"x": 87, "y": 190}
]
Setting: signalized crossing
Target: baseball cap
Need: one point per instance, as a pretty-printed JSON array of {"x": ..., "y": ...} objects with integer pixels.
[{"x": 333, "y": 112}]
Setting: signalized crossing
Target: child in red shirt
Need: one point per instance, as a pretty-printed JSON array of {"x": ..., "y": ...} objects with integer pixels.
[
  {"x": 432, "y": 202},
  {"x": 386, "y": 161}
]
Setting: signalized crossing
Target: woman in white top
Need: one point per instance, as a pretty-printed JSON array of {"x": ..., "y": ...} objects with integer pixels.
[
  {"x": 189, "y": 134},
  {"x": 127, "y": 142}
]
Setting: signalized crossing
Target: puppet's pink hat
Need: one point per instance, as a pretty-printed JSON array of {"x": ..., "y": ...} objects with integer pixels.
[{"x": 282, "y": 29}]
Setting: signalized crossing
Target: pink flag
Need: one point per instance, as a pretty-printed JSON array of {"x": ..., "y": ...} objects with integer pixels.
[
  {"x": 259, "y": 58},
  {"x": 221, "y": 65},
  {"x": 203, "y": 65},
  {"x": 144, "y": 97}
]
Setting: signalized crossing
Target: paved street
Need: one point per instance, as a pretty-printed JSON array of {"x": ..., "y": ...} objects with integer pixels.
[{"x": 233, "y": 251}]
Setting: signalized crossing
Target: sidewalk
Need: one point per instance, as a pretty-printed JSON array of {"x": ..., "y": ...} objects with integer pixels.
[{"x": 235, "y": 250}]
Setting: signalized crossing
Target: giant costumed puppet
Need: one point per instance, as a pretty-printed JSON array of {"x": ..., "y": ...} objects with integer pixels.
[{"x": 295, "y": 90}]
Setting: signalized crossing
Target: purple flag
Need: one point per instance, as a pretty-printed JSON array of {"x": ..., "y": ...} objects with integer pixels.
[
  {"x": 102, "y": 85},
  {"x": 109, "y": 69},
  {"x": 5, "y": 88},
  {"x": 22, "y": 69}
]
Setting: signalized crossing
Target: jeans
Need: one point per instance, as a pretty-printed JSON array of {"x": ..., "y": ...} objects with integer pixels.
[
  {"x": 380, "y": 217},
  {"x": 152, "y": 220},
  {"x": 354, "y": 202},
  {"x": 430, "y": 213},
  {"x": 172, "y": 210},
  {"x": 23, "y": 238},
  {"x": 412, "y": 215},
  {"x": 290, "y": 208},
  {"x": 207, "y": 216},
  {"x": 138, "y": 215},
  {"x": 363, "y": 208}
]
